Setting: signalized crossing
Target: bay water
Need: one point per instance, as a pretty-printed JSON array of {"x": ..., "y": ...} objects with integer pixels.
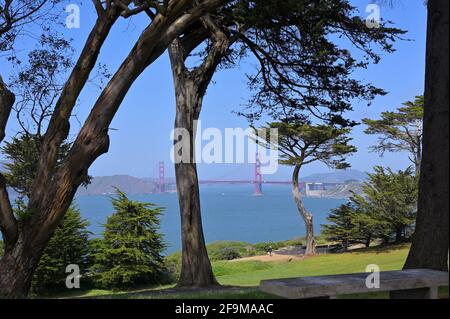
[{"x": 230, "y": 212}]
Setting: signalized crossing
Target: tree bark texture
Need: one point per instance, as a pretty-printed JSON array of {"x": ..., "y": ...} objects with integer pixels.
[
  {"x": 196, "y": 270},
  {"x": 307, "y": 217},
  {"x": 430, "y": 244},
  {"x": 190, "y": 88}
]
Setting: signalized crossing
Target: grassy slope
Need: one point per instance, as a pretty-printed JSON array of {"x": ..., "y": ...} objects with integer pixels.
[{"x": 251, "y": 273}]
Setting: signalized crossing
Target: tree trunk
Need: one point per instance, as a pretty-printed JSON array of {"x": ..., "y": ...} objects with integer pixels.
[
  {"x": 7, "y": 99},
  {"x": 345, "y": 245},
  {"x": 307, "y": 217},
  {"x": 196, "y": 270},
  {"x": 398, "y": 235},
  {"x": 190, "y": 88},
  {"x": 430, "y": 244},
  {"x": 418, "y": 161},
  {"x": 368, "y": 240},
  {"x": 8, "y": 224},
  {"x": 17, "y": 267}
]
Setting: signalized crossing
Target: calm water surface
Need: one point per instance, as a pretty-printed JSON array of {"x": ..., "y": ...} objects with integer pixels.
[{"x": 229, "y": 213}]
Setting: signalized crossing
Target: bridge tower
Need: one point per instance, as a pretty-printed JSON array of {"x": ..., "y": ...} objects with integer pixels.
[
  {"x": 258, "y": 181},
  {"x": 161, "y": 181}
]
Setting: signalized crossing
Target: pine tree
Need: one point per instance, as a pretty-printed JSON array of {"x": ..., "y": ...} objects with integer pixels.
[
  {"x": 342, "y": 228},
  {"x": 392, "y": 198},
  {"x": 69, "y": 245},
  {"x": 130, "y": 252}
]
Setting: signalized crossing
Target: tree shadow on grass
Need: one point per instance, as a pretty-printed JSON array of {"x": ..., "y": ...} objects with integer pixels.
[{"x": 382, "y": 249}]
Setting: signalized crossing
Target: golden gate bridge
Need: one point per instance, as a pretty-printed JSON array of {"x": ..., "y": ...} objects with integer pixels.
[{"x": 257, "y": 181}]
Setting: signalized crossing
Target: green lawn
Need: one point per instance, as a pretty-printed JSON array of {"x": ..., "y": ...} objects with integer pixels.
[
  {"x": 242, "y": 293},
  {"x": 250, "y": 273}
]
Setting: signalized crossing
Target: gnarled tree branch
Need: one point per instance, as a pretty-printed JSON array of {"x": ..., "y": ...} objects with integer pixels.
[
  {"x": 93, "y": 139},
  {"x": 8, "y": 224},
  {"x": 59, "y": 125}
]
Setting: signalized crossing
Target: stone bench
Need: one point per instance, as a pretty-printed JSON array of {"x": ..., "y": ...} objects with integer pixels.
[{"x": 405, "y": 284}]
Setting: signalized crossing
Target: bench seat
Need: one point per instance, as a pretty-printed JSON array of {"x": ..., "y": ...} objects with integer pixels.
[{"x": 414, "y": 283}]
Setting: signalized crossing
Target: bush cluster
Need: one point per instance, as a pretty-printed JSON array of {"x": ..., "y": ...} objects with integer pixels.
[{"x": 385, "y": 212}]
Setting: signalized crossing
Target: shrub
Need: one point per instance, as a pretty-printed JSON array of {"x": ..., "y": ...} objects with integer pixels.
[
  {"x": 228, "y": 250},
  {"x": 226, "y": 253}
]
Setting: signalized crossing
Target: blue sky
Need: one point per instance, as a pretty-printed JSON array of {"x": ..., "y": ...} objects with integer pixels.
[{"x": 146, "y": 117}]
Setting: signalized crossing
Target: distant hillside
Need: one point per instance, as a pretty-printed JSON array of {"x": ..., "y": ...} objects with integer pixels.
[
  {"x": 336, "y": 177},
  {"x": 105, "y": 185}
]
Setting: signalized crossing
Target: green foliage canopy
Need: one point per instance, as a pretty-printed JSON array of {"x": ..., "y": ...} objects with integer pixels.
[
  {"x": 392, "y": 198},
  {"x": 400, "y": 131},
  {"x": 304, "y": 67},
  {"x": 386, "y": 211},
  {"x": 302, "y": 143}
]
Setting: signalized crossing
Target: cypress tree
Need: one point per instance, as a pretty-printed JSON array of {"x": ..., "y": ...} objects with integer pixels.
[{"x": 131, "y": 250}]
